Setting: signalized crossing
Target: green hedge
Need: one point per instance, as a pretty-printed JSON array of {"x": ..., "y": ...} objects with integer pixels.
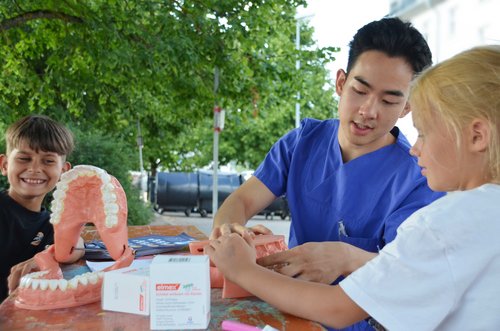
[{"x": 114, "y": 156}]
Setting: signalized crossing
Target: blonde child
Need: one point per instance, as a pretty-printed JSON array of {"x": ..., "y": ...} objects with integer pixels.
[{"x": 442, "y": 270}]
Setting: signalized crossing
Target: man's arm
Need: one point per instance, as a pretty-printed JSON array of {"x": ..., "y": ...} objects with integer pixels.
[
  {"x": 241, "y": 205},
  {"x": 321, "y": 262}
]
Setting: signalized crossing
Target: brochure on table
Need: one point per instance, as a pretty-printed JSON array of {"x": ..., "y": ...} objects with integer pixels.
[{"x": 143, "y": 246}]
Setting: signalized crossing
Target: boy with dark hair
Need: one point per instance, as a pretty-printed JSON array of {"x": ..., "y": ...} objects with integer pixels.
[{"x": 37, "y": 148}]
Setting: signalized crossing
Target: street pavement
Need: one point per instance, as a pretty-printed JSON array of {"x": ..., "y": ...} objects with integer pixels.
[{"x": 204, "y": 224}]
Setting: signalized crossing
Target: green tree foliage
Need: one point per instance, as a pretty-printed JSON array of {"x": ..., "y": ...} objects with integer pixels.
[
  {"x": 106, "y": 64},
  {"x": 4, "y": 184},
  {"x": 104, "y": 151}
]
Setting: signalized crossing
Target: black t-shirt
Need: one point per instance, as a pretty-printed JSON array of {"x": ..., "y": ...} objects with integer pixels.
[{"x": 23, "y": 233}]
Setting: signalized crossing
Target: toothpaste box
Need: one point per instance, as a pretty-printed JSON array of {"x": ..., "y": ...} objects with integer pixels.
[
  {"x": 180, "y": 292},
  {"x": 126, "y": 290}
]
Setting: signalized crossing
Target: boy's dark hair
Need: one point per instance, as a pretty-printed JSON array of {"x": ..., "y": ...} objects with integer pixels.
[
  {"x": 393, "y": 37},
  {"x": 40, "y": 133}
]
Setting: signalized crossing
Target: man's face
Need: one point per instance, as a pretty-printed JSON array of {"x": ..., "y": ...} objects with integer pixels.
[
  {"x": 32, "y": 174},
  {"x": 372, "y": 98}
]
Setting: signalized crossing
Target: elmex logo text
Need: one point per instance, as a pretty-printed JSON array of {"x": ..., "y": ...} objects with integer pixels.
[{"x": 167, "y": 287}]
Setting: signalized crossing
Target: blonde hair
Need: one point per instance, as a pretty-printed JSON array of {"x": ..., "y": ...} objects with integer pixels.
[{"x": 462, "y": 88}]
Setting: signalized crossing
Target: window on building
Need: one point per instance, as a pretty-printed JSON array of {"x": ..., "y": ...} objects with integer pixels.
[{"x": 452, "y": 13}]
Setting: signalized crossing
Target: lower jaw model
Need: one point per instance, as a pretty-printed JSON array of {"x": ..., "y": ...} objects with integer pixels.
[{"x": 85, "y": 194}]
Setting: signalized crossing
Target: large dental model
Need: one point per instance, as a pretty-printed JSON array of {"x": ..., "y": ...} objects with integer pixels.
[{"x": 85, "y": 194}]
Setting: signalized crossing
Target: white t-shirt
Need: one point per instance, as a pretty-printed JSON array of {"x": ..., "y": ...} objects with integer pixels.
[{"x": 443, "y": 269}]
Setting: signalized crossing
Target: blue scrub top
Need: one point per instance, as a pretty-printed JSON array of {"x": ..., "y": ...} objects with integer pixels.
[{"x": 361, "y": 202}]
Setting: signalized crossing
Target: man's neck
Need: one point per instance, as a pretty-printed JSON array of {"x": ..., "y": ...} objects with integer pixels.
[{"x": 351, "y": 151}]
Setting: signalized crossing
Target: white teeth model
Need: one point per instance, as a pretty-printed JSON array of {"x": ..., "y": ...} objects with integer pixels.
[
  {"x": 73, "y": 283},
  {"x": 93, "y": 278},
  {"x": 63, "y": 284},
  {"x": 44, "y": 284},
  {"x": 53, "y": 284},
  {"x": 111, "y": 209},
  {"x": 32, "y": 280},
  {"x": 83, "y": 280},
  {"x": 59, "y": 195}
]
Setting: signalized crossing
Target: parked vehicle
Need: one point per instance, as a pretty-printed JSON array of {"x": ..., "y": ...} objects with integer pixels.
[{"x": 192, "y": 192}]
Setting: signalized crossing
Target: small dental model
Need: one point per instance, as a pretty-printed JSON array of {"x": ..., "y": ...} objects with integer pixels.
[
  {"x": 264, "y": 245},
  {"x": 85, "y": 194}
]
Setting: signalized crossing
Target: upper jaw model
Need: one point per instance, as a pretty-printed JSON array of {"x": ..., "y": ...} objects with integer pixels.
[{"x": 85, "y": 194}]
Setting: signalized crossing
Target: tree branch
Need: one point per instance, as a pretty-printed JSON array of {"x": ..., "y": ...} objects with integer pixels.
[{"x": 37, "y": 14}]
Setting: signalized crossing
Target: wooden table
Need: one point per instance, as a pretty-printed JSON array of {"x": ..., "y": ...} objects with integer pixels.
[{"x": 91, "y": 317}]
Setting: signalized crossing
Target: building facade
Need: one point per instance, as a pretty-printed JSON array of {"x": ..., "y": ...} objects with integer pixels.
[{"x": 451, "y": 26}]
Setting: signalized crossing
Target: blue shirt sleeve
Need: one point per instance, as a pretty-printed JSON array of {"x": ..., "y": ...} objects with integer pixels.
[{"x": 273, "y": 171}]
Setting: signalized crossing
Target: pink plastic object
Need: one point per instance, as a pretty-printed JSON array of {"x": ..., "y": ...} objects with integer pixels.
[
  {"x": 264, "y": 245},
  {"x": 228, "y": 325},
  {"x": 85, "y": 194}
]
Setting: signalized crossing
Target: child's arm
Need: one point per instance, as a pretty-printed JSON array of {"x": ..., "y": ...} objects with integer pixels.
[
  {"x": 28, "y": 266},
  {"x": 326, "y": 304},
  {"x": 18, "y": 271}
]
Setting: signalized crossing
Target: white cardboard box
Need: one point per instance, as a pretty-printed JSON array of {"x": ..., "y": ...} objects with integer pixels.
[
  {"x": 180, "y": 292},
  {"x": 126, "y": 290}
]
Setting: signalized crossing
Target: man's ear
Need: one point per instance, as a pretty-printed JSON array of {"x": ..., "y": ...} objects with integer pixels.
[
  {"x": 406, "y": 110},
  {"x": 479, "y": 134},
  {"x": 340, "y": 81},
  {"x": 3, "y": 163}
]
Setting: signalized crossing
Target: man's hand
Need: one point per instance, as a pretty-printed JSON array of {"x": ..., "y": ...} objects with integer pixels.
[
  {"x": 226, "y": 229},
  {"x": 18, "y": 271},
  {"x": 320, "y": 262},
  {"x": 232, "y": 253}
]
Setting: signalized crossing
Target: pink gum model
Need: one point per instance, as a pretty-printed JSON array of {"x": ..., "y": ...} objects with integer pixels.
[
  {"x": 85, "y": 194},
  {"x": 264, "y": 245}
]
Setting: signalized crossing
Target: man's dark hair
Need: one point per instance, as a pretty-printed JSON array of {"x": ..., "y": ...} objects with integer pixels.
[
  {"x": 393, "y": 37},
  {"x": 40, "y": 133}
]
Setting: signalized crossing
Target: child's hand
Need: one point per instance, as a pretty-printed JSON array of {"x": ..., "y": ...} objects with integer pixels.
[
  {"x": 18, "y": 271},
  {"x": 232, "y": 253}
]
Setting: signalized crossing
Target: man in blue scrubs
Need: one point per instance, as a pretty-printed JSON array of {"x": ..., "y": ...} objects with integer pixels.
[{"x": 350, "y": 179}]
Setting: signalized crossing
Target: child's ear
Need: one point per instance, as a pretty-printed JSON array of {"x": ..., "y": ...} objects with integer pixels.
[
  {"x": 3, "y": 163},
  {"x": 479, "y": 135},
  {"x": 406, "y": 110},
  {"x": 66, "y": 166}
]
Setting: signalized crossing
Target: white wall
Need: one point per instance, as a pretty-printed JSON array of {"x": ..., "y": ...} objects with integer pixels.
[{"x": 452, "y": 26}]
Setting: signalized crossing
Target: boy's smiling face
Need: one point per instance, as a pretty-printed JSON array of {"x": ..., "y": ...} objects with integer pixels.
[{"x": 32, "y": 174}]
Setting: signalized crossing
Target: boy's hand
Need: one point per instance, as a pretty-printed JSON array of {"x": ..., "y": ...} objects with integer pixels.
[
  {"x": 232, "y": 253},
  {"x": 18, "y": 271}
]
